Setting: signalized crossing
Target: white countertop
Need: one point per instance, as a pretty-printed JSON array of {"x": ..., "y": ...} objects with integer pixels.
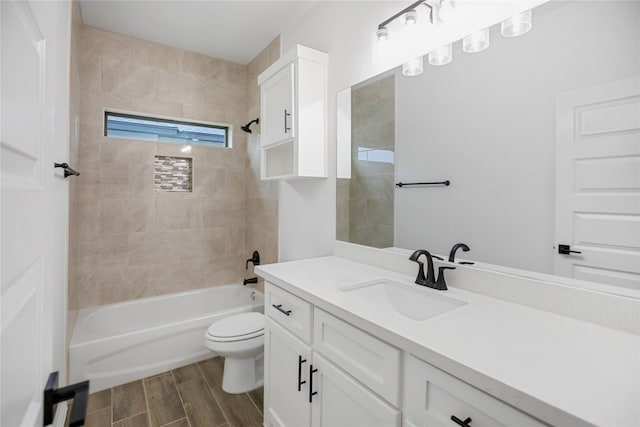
[{"x": 561, "y": 370}]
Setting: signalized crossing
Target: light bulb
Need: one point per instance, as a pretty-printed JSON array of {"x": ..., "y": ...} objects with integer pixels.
[
  {"x": 476, "y": 42},
  {"x": 411, "y": 17},
  {"x": 517, "y": 25},
  {"x": 382, "y": 33},
  {"x": 413, "y": 67},
  {"x": 441, "y": 56},
  {"x": 445, "y": 10}
]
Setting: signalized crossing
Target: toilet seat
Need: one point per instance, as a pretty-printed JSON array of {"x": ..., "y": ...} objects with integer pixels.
[{"x": 239, "y": 327}]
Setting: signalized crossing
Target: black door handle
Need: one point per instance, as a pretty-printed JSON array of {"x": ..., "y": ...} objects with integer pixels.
[
  {"x": 566, "y": 250},
  {"x": 68, "y": 170},
  {"x": 311, "y": 392},
  {"x": 53, "y": 395},
  {"x": 300, "y": 382}
]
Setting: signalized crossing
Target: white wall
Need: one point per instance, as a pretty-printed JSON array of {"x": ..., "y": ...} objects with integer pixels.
[
  {"x": 487, "y": 122},
  {"x": 345, "y": 30}
]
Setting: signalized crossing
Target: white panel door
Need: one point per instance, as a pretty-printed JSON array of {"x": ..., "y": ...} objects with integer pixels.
[
  {"x": 598, "y": 183},
  {"x": 286, "y": 383},
  {"x": 34, "y": 128},
  {"x": 276, "y": 109}
]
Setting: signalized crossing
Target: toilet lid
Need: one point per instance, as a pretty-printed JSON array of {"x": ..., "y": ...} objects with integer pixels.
[{"x": 238, "y": 326}]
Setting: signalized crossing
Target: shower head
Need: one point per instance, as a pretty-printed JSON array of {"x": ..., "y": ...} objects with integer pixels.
[{"x": 246, "y": 127}]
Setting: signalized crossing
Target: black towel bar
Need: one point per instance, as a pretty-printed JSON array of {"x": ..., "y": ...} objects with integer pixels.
[{"x": 406, "y": 184}]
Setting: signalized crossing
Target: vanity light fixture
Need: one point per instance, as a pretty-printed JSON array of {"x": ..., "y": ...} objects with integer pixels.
[
  {"x": 382, "y": 33},
  {"x": 413, "y": 67},
  {"x": 441, "y": 56},
  {"x": 476, "y": 42},
  {"x": 517, "y": 25},
  {"x": 438, "y": 11},
  {"x": 410, "y": 17}
]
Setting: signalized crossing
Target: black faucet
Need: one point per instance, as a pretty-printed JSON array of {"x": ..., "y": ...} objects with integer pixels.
[
  {"x": 452, "y": 254},
  {"x": 430, "y": 279}
]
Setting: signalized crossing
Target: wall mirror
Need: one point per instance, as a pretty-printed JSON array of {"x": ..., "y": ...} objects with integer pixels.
[{"x": 539, "y": 136}]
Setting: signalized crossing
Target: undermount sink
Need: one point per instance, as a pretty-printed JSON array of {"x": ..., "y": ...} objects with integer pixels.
[{"x": 412, "y": 301}]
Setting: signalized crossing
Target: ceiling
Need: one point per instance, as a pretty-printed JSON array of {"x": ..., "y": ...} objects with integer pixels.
[{"x": 233, "y": 30}]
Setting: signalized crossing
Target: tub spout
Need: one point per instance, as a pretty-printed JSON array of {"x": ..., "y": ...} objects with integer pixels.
[{"x": 252, "y": 280}]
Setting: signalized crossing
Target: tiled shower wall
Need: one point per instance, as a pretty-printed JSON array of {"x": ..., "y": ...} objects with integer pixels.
[
  {"x": 131, "y": 241},
  {"x": 364, "y": 213},
  {"x": 262, "y": 196}
]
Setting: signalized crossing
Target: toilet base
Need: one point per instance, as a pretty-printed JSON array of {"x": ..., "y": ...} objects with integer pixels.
[{"x": 243, "y": 375}]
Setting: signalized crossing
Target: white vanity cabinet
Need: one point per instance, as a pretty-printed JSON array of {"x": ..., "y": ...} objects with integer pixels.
[
  {"x": 323, "y": 371},
  {"x": 304, "y": 385},
  {"x": 432, "y": 398},
  {"x": 293, "y": 116},
  {"x": 287, "y": 360}
]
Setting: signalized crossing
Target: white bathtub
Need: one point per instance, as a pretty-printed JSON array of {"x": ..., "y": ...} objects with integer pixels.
[{"x": 117, "y": 343}]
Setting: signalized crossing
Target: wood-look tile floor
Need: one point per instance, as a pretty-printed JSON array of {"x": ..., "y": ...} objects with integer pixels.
[{"x": 190, "y": 396}]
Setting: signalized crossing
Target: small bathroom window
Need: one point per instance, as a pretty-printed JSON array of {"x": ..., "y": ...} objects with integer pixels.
[
  {"x": 124, "y": 125},
  {"x": 377, "y": 155}
]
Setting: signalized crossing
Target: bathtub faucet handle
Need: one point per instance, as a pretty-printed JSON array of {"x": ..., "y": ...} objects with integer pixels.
[{"x": 255, "y": 259}]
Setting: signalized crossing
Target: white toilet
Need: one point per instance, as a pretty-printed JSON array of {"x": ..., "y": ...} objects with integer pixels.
[{"x": 240, "y": 340}]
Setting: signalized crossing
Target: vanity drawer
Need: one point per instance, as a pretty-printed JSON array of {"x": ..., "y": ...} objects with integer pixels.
[
  {"x": 290, "y": 311},
  {"x": 432, "y": 397},
  {"x": 374, "y": 363}
]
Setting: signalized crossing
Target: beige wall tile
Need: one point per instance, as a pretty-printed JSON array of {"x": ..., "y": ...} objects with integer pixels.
[
  {"x": 235, "y": 240},
  {"x": 172, "y": 215},
  {"x": 262, "y": 228},
  {"x": 157, "y": 55},
  {"x": 205, "y": 243},
  {"x": 141, "y": 181},
  {"x": 153, "y": 247},
  {"x": 94, "y": 41},
  {"x": 201, "y": 65},
  {"x": 128, "y": 80},
  {"x": 130, "y": 241},
  {"x": 180, "y": 87},
  {"x": 104, "y": 249},
  {"x": 210, "y": 182}
]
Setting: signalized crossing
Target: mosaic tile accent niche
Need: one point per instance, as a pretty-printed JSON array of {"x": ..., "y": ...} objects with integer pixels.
[{"x": 173, "y": 174}]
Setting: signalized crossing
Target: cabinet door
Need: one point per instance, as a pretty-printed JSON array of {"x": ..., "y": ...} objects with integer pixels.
[
  {"x": 276, "y": 108},
  {"x": 343, "y": 402},
  {"x": 287, "y": 362}
]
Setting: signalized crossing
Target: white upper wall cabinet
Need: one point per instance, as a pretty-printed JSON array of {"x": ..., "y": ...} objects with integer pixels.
[
  {"x": 293, "y": 112},
  {"x": 276, "y": 95}
]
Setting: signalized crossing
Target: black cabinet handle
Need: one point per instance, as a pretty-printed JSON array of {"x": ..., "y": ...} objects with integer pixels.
[
  {"x": 300, "y": 382},
  {"x": 566, "y": 250},
  {"x": 311, "y": 392},
  {"x": 465, "y": 423},
  {"x": 281, "y": 310},
  {"x": 286, "y": 128}
]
